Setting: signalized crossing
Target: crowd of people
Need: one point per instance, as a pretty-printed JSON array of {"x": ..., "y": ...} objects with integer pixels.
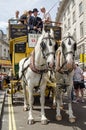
[{"x": 32, "y": 20}]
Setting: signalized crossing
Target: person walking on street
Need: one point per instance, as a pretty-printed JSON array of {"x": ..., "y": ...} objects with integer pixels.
[
  {"x": 84, "y": 74},
  {"x": 78, "y": 83}
]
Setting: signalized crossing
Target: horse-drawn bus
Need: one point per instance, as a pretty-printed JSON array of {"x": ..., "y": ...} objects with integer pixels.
[{"x": 21, "y": 44}]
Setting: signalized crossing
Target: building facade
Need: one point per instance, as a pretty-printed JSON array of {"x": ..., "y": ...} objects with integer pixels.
[
  {"x": 72, "y": 15},
  {"x": 5, "y": 63}
]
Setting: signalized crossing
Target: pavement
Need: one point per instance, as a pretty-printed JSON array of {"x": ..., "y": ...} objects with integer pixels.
[{"x": 2, "y": 98}]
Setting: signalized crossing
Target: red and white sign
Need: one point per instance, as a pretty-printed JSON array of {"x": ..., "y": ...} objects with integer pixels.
[{"x": 32, "y": 39}]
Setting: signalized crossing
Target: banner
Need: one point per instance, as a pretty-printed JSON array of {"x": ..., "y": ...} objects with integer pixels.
[{"x": 17, "y": 30}]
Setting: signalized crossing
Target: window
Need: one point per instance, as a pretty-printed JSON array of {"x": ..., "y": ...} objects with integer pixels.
[
  {"x": 64, "y": 16},
  {"x": 4, "y": 53},
  {"x": 81, "y": 30},
  {"x": 74, "y": 17},
  {"x": 73, "y": 3},
  {"x": 65, "y": 28},
  {"x": 68, "y": 9},
  {"x": 68, "y": 23},
  {"x": 80, "y": 8},
  {"x": 74, "y": 33}
]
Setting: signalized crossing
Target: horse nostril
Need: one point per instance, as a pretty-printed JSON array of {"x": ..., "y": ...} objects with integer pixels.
[{"x": 50, "y": 65}]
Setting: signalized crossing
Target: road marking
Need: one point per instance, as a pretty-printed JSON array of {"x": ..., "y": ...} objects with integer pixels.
[{"x": 12, "y": 124}]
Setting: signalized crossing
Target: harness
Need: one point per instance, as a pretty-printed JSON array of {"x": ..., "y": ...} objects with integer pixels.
[
  {"x": 61, "y": 68},
  {"x": 32, "y": 59},
  {"x": 33, "y": 67}
]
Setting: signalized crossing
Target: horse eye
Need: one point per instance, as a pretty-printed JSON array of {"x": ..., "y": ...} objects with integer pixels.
[
  {"x": 56, "y": 46},
  {"x": 75, "y": 46},
  {"x": 43, "y": 45}
]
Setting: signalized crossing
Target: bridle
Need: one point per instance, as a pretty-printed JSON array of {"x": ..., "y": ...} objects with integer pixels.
[
  {"x": 69, "y": 52},
  {"x": 43, "y": 46},
  {"x": 61, "y": 68}
]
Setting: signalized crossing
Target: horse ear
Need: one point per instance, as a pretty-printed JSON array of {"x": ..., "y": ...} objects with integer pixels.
[
  {"x": 43, "y": 30},
  {"x": 52, "y": 32}
]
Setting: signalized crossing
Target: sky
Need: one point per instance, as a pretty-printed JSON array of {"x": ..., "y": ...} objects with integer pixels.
[{"x": 8, "y": 8}]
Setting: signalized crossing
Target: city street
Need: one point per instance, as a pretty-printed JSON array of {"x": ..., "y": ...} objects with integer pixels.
[{"x": 14, "y": 118}]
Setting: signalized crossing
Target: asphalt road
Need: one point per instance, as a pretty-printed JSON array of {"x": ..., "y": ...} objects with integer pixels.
[{"x": 14, "y": 118}]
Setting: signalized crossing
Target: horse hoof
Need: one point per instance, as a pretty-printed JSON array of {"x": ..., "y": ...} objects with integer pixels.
[
  {"x": 44, "y": 122},
  {"x": 72, "y": 120},
  {"x": 30, "y": 122},
  {"x": 58, "y": 118}
]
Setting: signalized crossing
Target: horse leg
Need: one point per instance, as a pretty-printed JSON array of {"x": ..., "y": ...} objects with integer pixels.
[
  {"x": 30, "y": 117},
  {"x": 70, "y": 111},
  {"x": 44, "y": 120},
  {"x": 58, "y": 111},
  {"x": 61, "y": 99},
  {"x": 26, "y": 103},
  {"x": 54, "y": 98}
]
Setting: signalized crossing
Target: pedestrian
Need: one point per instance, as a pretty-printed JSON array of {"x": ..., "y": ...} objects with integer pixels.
[
  {"x": 78, "y": 83},
  {"x": 84, "y": 74},
  {"x": 1, "y": 81}
]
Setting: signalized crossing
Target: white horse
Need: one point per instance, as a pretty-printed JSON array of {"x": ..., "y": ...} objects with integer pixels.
[
  {"x": 64, "y": 74},
  {"x": 33, "y": 71}
]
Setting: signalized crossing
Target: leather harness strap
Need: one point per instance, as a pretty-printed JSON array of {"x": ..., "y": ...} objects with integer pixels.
[{"x": 33, "y": 67}]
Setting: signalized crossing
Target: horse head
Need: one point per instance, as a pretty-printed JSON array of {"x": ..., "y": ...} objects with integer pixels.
[
  {"x": 47, "y": 46},
  {"x": 68, "y": 49}
]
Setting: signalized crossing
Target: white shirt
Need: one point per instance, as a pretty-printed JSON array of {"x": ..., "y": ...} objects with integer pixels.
[
  {"x": 78, "y": 73},
  {"x": 46, "y": 16}
]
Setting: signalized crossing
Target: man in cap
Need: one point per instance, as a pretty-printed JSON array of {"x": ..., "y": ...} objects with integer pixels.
[{"x": 36, "y": 24}]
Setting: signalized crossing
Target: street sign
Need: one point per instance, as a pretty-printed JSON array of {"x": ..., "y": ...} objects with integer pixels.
[{"x": 32, "y": 39}]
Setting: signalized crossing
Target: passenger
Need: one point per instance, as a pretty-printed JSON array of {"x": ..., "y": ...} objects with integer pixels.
[
  {"x": 29, "y": 14},
  {"x": 78, "y": 83},
  {"x": 17, "y": 14},
  {"x": 46, "y": 16},
  {"x": 37, "y": 23},
  {"x": 23, "y": 18},
  {"x": 15, "y": 19},
  {"x": 30, "y": 19}
]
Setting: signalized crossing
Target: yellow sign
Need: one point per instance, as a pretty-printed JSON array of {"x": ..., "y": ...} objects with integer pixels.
[{"x": 83, "y": 58}]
